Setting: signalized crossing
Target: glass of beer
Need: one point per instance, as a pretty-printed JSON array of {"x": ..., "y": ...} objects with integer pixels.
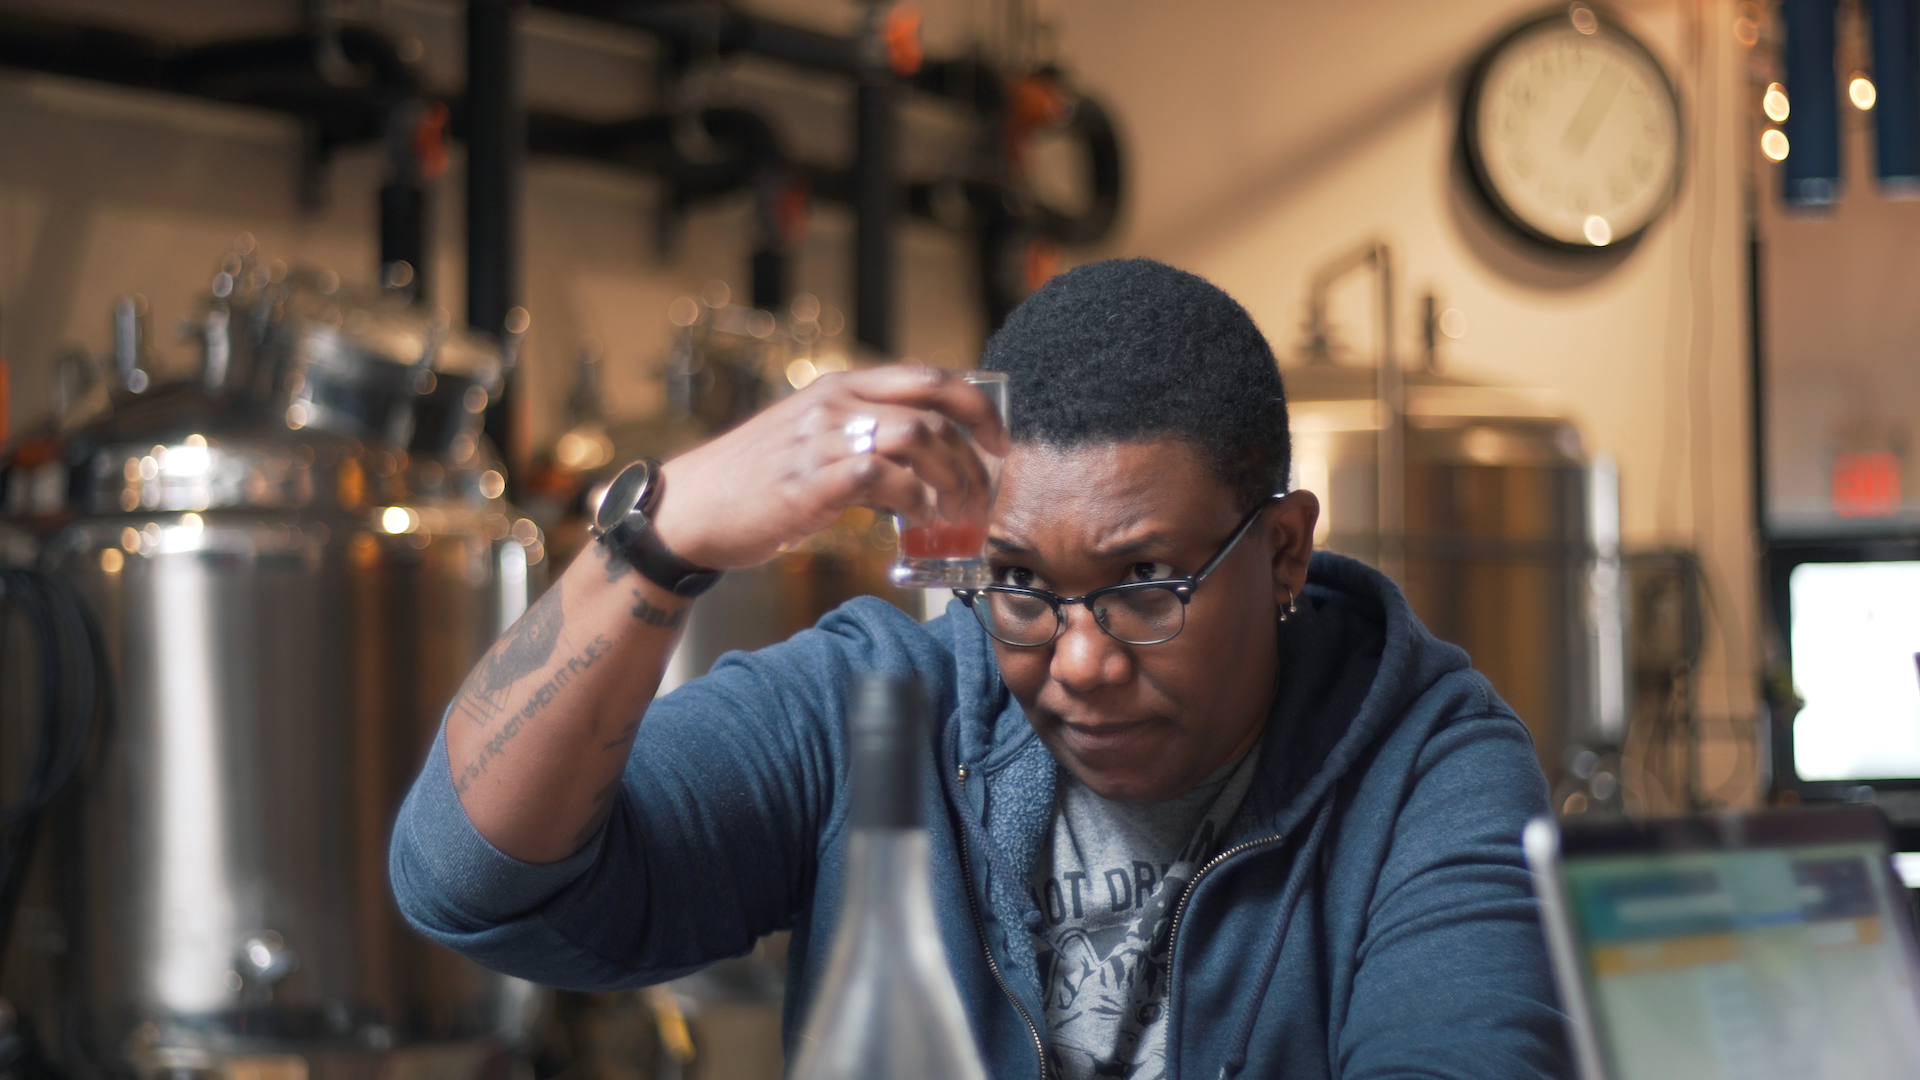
[{"x": 947, "y": 554}]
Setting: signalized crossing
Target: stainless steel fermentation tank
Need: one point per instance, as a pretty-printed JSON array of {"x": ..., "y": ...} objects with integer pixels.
[
  {"x": 295, "y": 559},
  {"x": 725, "y": 363},
  {"x": 1484, "y": 506}
]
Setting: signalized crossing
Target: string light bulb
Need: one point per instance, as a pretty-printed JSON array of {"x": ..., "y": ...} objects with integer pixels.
[
  {"x": 1773, "y": 143},
  {"x": 1774, "y": 103},
  {"x": 1861, "y": 92}
]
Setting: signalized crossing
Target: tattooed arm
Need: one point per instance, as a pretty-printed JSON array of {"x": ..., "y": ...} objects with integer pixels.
[{"x": 540, "y": 733}]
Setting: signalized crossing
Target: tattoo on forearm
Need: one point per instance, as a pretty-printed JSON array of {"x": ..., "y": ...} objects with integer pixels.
[
  {"x": 626, "y": 733},
  {"x": 535, "y": 704},
  {"x": 617, "y": 564},
  {"x": 652, "y": 615},
  {"x": 528, "y": 647},
  {"x": 603, "y": 809}
]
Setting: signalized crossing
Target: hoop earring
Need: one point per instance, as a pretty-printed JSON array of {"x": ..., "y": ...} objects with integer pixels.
[{"x": 1293, "y": 605}]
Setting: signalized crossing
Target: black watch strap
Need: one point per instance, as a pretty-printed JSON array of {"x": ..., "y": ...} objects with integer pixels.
[{"x": 624, "y": 523}]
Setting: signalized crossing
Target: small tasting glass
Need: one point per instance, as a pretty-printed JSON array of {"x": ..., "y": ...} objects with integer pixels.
[{"x": 946, "y": 554}]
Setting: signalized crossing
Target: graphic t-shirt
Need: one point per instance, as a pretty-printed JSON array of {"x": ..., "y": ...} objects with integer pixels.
[{"x": 1106, "y": 888}]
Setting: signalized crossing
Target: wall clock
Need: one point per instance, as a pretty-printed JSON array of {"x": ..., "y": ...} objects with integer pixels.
[{"x": 1573, "y": 131}]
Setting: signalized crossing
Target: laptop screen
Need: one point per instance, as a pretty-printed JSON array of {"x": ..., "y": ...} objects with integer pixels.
[{"x": 1768, "y": 962}]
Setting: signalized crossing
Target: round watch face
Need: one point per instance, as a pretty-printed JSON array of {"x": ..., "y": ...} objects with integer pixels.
[
  {"x": 1573, "y": 131},
  {"x": 623, "y": 495}
]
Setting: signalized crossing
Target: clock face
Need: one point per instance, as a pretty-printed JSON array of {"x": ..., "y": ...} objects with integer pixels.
[{"x": 1573, "y": 130}]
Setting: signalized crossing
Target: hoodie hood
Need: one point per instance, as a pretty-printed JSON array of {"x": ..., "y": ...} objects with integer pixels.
[{"x": 1352, "y": 660}]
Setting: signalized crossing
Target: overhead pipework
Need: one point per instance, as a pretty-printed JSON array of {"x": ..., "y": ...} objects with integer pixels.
[
  {"x": 496, "y": 150},
  {"x": 349, "y": 83},
  {"x": 1017, "y": 236}
]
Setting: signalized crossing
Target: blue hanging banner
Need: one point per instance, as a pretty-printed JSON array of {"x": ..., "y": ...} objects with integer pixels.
[
  {"x": 1896, "y": 75},
  {"x": 1812, "y": 168}
]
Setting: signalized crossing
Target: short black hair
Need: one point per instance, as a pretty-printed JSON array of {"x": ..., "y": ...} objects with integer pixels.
[{"x": 1132, "y": 349}]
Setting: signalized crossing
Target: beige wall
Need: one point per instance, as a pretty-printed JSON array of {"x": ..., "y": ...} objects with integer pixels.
[
  {"x": 1272, "y": 137},
  {"x": 1263, "y": 138}
]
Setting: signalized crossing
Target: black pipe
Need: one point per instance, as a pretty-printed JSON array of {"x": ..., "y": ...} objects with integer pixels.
[
  {"x": 767, "y": 265},
  {"x": 966, "y": 80},
  {"x": 717, "y": 30},
  {"x": 1105, "y": 178},
  {"x": 403, "y": 237},
  {"x": 1001, "y": 239},
  {"x": 496, "y": 151},
  {"x": 36, "y": 43},
  {"x": 876, "y": 191},
  {"x": 415, "y": 157},
  {"x": 366, "y": 92},
  {"x": 746, "y": 144},
  {"x": 746, "y": 154},
  {"x": 704, "y": 30},
  {"x": 696, "y": 28},
  {"x": 278, "y": 72}
]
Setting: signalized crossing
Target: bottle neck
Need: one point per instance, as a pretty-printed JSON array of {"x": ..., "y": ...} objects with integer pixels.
[{"x": 887, "y": 871}]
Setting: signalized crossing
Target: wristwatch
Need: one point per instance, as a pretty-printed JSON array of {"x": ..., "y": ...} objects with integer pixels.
[{"x": 624, "y": 523}]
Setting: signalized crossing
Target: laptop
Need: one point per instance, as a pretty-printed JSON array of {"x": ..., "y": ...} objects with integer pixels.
[{"x": 1772, "y": 944}]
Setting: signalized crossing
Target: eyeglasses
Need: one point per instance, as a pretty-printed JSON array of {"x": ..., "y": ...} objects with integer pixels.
[{"x": 1135, "y": 612}]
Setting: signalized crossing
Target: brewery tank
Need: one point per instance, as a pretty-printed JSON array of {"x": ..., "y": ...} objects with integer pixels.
[
  {"x": 1484, "y": 505},
  {"x": 294, "y": 559},
  {"x": 1496, "y": 550}
]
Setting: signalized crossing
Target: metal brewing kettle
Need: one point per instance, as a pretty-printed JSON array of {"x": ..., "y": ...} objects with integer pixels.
[{"x": 293, "y": 557}]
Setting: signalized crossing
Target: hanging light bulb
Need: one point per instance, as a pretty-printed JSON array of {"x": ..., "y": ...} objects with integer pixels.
[
  {"x": 1774, "y": 103},
  {"x": 1861, "y": 92},
  {"x": 1773, "y": 143}
]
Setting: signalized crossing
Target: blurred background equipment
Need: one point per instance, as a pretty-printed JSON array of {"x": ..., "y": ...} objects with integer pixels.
[
  {"x": 351, "y": 81},
  {"x": 1021, "y": 95},
  {"x": 1662, "y": 767},
  {"x": 58, "y": 693},
  {"x": 1835, "y": 502},
  {"x": 875, "y": 181},
  {"x": 294, "y": 556},
  {"x": 297, "y": 550},
  {"x": 1483, "y": 504},
  {"x": 724, "y": 362},
  {"x": 355, "y": 82}
]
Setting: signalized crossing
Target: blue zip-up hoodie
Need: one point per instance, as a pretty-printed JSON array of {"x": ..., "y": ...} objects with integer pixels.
[{"x": 1370, "y": 913}]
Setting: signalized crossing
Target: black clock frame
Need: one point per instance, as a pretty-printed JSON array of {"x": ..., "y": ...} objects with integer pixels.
[{"x": 1470, "y": 126}]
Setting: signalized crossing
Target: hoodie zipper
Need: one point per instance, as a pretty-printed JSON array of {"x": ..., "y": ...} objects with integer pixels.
[
  {"x": 1180, "y": 908},
  {"x": 980, "y": 932}
]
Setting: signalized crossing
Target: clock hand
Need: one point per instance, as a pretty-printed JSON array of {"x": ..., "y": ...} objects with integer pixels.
[{"x": 1593, "y": 109}]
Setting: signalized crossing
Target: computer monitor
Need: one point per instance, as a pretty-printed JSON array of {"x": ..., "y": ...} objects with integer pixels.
[
  {"x": 1731, "y": 947},
  {"x": 1849, "y": 617}
]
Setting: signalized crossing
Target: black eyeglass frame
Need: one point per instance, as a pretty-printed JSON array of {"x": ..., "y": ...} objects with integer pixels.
[{"x": 1182, "y": 587}]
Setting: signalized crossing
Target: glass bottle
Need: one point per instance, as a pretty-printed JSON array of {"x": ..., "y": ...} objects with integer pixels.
[{"x": 887, "y": 1008}]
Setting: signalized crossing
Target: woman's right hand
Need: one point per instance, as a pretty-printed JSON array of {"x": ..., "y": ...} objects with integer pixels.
[{"x": 883, "y": 438}]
